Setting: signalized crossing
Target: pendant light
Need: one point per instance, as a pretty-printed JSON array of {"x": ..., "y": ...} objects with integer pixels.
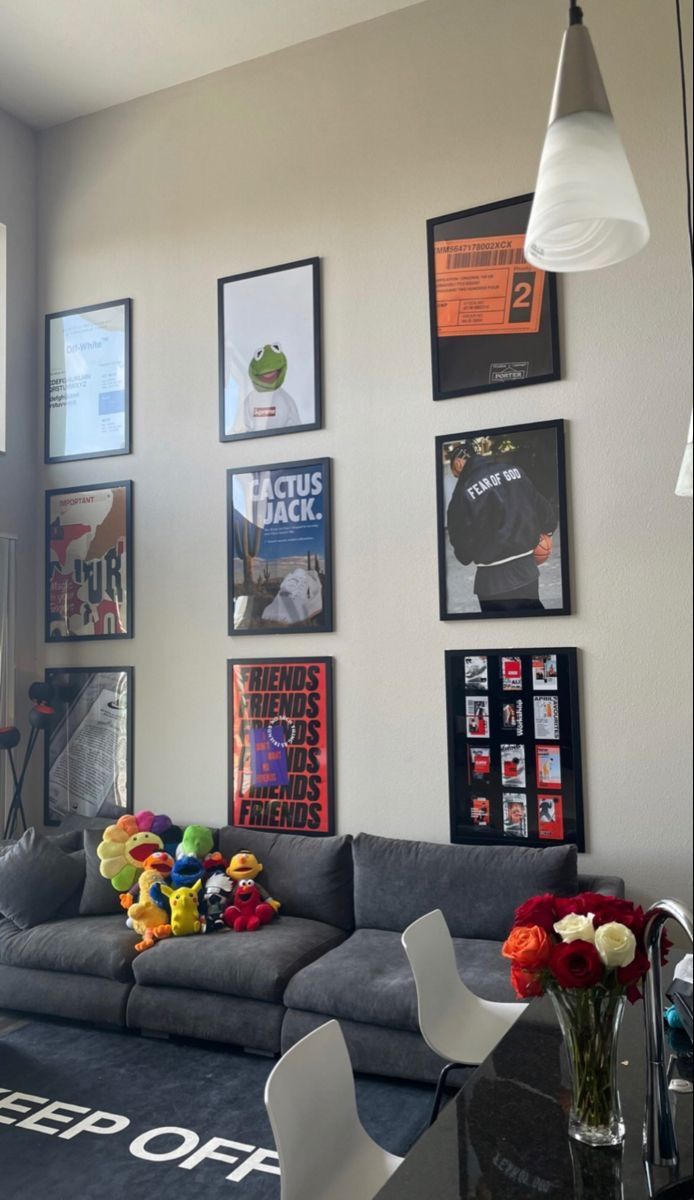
[{"x": 586, "y": 212}]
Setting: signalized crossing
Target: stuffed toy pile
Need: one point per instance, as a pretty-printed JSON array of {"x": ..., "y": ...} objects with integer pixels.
[{"x": 173, "y": 883}]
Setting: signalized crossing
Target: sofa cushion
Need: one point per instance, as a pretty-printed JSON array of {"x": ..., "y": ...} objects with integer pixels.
[
  {"x": 368, "y": 979},
  {"x": 36, "y": 878},
  {"x": 99, "y": 946},
  {"x": 311, "y": 877},
  {"x": 477, "y": 888},
  {"x": 257, "y": 965},
  {"x": 99, "y": 897}
]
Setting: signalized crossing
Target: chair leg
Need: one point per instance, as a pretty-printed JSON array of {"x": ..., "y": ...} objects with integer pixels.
[{"x": 438, "y": 1097}]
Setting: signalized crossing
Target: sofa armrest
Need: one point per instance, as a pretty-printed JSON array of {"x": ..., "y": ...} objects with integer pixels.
[{"x": 609, "y": 885}]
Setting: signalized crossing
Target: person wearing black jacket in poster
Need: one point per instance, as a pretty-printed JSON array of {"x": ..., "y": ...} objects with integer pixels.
[{"x": 496, "y": 519}]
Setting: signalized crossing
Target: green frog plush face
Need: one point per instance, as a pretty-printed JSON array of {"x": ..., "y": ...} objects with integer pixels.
[{"x": 268, "y": 368}]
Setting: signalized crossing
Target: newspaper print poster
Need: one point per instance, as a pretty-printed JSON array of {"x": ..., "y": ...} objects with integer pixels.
[
  {"x": 88, "y": 750},
  {"x": 281, "y": 745},
  {"x": 280, "y": 554},
  {"x": 89, "y": 563},
  {"x": 270, "y": 351},
  {"x": 514, "y": 747}
]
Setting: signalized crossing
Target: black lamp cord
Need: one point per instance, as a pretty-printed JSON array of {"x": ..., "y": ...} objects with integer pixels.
[
  {"x": 685, "y": 123},
  {"x": 575, "y": 14}
]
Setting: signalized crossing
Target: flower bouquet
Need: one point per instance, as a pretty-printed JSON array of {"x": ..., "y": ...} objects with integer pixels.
[{"x": 587, "y": 952}]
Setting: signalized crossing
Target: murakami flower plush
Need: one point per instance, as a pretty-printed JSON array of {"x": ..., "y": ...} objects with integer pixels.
[{"x": 587, "y": 952}]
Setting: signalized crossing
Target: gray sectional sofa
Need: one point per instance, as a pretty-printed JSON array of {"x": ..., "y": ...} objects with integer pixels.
[{"x": 335, "y": 951}]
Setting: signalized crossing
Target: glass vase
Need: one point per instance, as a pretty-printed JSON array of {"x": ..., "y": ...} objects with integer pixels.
[{"x": 590, "y": 1020}]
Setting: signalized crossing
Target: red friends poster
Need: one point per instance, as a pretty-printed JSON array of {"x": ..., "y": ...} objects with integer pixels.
[{"x": 280, "y": 742}]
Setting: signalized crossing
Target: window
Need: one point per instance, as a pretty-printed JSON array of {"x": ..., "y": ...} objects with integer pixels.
[{"x": 3, "y": 323}]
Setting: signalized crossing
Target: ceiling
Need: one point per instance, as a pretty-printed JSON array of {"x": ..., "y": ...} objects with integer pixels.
[{"x": 61, "y": 59}]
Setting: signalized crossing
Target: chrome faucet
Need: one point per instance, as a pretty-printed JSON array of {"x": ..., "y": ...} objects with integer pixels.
[{"x": 659, "y": 1138}]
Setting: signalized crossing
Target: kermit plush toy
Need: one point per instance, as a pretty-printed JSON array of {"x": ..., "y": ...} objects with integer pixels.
[
  {"x": 197, "y": 840},
  {"x": 268, "y": 405}
]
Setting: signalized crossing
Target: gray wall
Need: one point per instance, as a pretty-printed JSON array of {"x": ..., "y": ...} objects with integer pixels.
[
  {"x": 342, "y": 147},
  {"x": 20, "y": 480}
]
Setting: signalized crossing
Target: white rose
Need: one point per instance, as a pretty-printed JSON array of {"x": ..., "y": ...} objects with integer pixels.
[
  {"x": 615, "y": 944},
  {"x": 575, "y": 928}
]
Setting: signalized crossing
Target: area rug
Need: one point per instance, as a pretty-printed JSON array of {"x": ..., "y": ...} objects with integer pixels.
[{"x": 106, "y": 1114}]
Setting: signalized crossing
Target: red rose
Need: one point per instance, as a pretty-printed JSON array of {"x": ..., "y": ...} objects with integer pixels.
[
  {"x": 525, "y": 983},
  {"x": 565, "y": 905},
  {"x": 612, "y": 908},
  {"x": 539, "y": 910},
  {"x": 631, "y": 976},
  {"x": 576, "y": 965},
  {"x": 666, "y": 945}
]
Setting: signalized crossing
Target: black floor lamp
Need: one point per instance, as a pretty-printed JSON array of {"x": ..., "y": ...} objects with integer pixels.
[{"x": 39, "y": 719}]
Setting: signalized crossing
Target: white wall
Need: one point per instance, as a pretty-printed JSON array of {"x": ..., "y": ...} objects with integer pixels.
[
  {"x": 19, "y": 478},
  {"x": 342, "y": 147}
]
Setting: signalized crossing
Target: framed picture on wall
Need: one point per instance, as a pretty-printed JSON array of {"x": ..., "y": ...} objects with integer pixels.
[
  {"x": 87, "y": 391},
  {"x": 88, "y": 759},
  {"x": 503, "y": 536},
  {"x": 280, "y": 548},
  {"x": 270, "y": 351},
  {"x": 89, "y": 578},
  {"x": 514, "y": 747},
  {"x": 281, "y": 770},
  {"x": 493, "y": 316}
]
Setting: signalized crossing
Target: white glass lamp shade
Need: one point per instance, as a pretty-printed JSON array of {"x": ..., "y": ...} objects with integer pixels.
[{"x": 587, "y": 212}]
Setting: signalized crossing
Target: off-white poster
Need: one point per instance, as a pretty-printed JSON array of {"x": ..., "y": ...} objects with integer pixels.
[{"x": 87, "y": 397}]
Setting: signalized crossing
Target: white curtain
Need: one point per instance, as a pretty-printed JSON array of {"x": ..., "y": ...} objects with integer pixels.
[{"x": 7, "y": 634}]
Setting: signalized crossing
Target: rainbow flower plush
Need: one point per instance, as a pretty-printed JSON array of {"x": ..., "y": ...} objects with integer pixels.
[{"x": 127, "y": 844}]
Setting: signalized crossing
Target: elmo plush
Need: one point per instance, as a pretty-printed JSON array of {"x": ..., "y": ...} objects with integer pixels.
[{"x": 249, "y": 910}]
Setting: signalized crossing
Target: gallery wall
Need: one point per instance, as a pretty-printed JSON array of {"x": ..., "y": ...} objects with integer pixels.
[
  {"x": 19, "y": 477},
  {"x": 343, "y": 147}
]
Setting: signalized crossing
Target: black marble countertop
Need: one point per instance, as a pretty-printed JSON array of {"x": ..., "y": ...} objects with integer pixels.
[{"x": 504, "y": 1136}]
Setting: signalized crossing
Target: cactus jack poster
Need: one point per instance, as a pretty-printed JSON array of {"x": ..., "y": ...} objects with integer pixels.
[
  {"x": 279, "y": 548},
  {"x": 281, "y": 745},
  {"x": 89, "y": 563}
]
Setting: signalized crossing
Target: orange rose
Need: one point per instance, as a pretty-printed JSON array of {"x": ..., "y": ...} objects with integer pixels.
[{"x": 528, "y": 946}]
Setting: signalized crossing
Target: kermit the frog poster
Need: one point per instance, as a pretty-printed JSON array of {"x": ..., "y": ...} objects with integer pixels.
[{"x": 269, "y": 351}]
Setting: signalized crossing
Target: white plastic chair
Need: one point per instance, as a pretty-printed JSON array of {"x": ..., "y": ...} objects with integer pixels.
[
  {"x": 324, "y": 1151},
  {"x": 455, "y": 1023}
]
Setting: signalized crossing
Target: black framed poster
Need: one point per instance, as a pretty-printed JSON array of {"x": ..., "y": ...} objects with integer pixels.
[
  {"x": 281, "y": 769},
  {"x": 502, "y": 523},
  {"x": 270, "y": 351},
  {"x": 89, "y": 575},
  {"x": 514, "y": 747},
  {"x": 88, "y": 759},
  {"x": 280, "y": 548},
  {"x": 493, "y": 316},
  {"x": 87, "y": 388}
]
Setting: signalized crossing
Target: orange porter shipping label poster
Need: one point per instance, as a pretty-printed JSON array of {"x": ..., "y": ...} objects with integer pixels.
[{"x": 484, "y": 285}]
